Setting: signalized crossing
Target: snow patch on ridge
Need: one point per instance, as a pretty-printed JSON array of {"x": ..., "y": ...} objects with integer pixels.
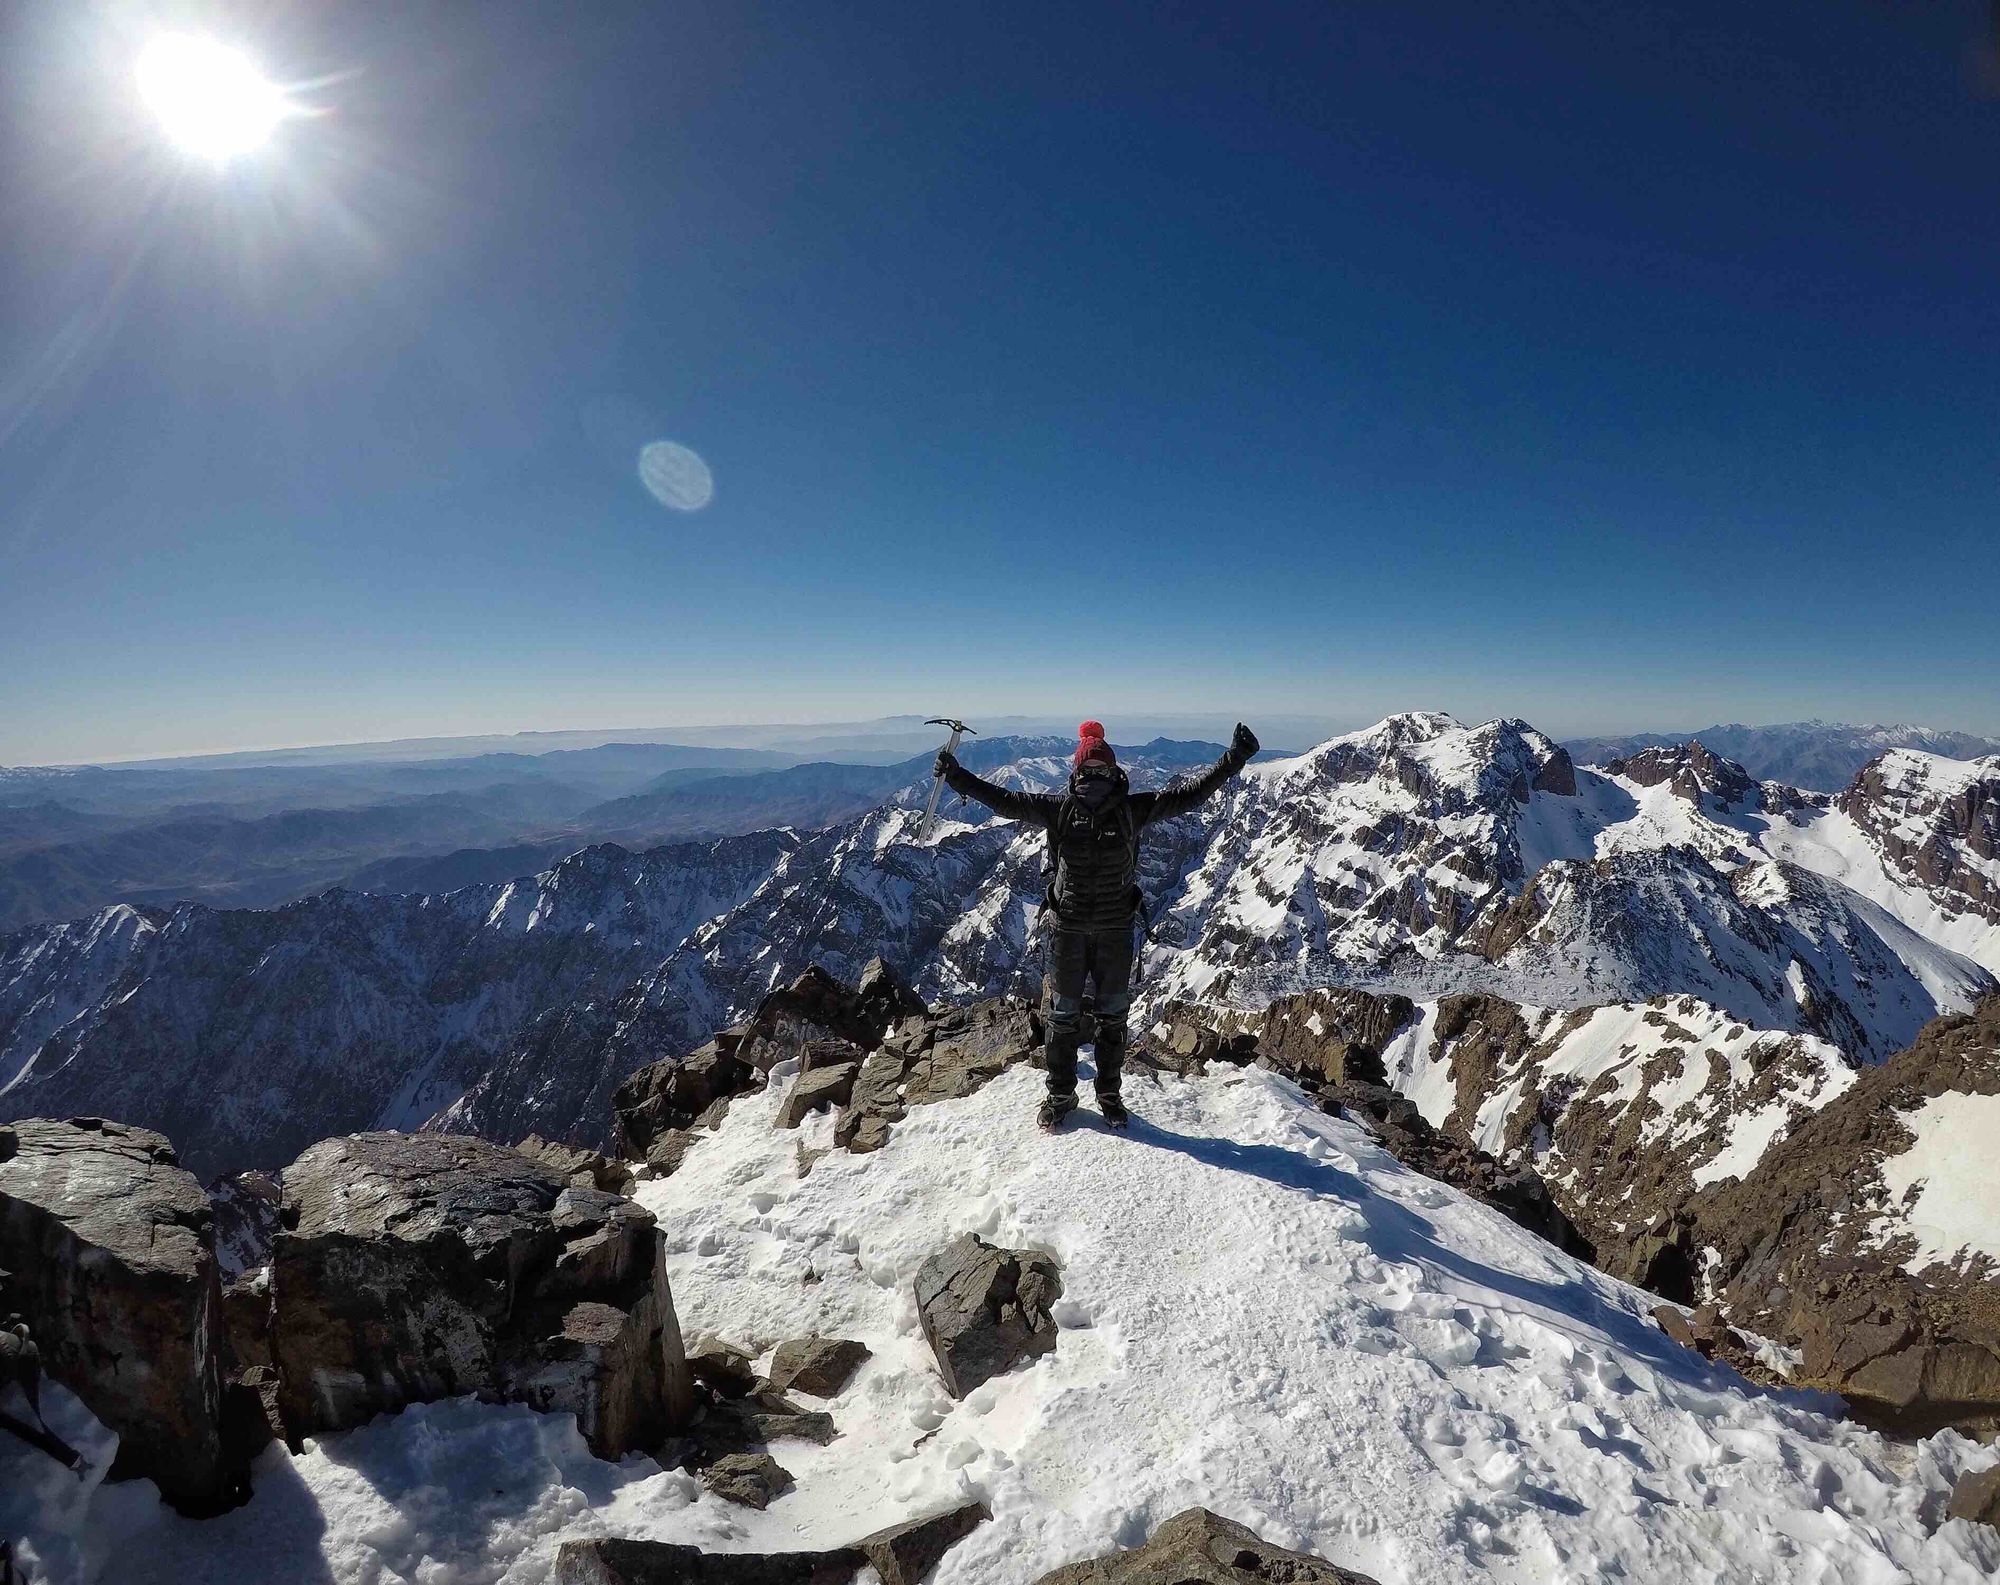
[{"x": 1944, "y": 1181}]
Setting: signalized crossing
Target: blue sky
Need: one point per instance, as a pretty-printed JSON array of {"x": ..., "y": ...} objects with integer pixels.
[{"x": 1614, "y": 366}]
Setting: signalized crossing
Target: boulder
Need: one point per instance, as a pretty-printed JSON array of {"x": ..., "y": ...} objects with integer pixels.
[
  {"x": 604, "y": 1561},
  {"x": 817, "y": 1089},
  {"x": 985, "y": 1309},
  {"x": 1202, "y": 1548},
  {"x": 905, "y": 1554},
  {"x": 720, "y": 1366},
  {"x": 411, "y": 1267},
  {"x": 111, "y": 1248},
  {"x": 752, "y": 1479},
  {"x": 817, "y": 1366}
]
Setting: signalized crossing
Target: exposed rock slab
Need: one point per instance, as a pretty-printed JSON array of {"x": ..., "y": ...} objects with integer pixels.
[
  {"x": 817, "y": 1366},
  {"x": 985, "y": 1309},
  {"x": 1202, "y": 1548},
  {"x": 905, "y": 1554},
  {"x": 604, "y": 1561},
  {"x": 816, "y": 1090},
  {"x": 110, "y": 1246},
  {"x": 417, "y": 1267}
]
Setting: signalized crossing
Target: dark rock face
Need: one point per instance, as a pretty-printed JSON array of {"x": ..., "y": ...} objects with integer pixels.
[
  {"x": 111, "y": 1249},
  {"x": 817, "y": 1366},
  {"x": 415, "y": 1267},
  {"x": 611, "y": 1562},
  {"x": 984, "y": 1309},
  {"x": 905, "y": 1554},
  {"x": 752, "y": 1479},
  {"x": 1203, "y": 1548},
  {"x": 1809, "y": 1246},
  {"x": 1937, "y": 825}
]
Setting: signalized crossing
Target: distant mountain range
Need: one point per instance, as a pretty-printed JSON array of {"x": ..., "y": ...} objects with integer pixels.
[
  {"x": 1420, "y": 857},
  {"x": 1819, "y": 756},
  {"x": 432, "y": 815}
]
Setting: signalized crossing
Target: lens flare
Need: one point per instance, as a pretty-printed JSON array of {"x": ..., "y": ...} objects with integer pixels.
[
  {"x": 676, "y": 476},
  {"x": 211, "y": 101}
]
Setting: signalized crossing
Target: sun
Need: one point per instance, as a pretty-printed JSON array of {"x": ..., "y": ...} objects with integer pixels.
[{"x": 211, "y": 100}]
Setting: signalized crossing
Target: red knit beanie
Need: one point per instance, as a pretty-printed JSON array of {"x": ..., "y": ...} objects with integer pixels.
[{"x": 1090, "y": 745}]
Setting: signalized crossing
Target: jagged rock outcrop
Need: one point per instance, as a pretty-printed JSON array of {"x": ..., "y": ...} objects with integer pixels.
[
  {"x": 110, "y": 1246},
  {"x": 1936, "y": 823},
  {"x": 815, "y": 1018},
  {"x": 1691, "y": 773},
  {"x": 984, "y": 1309},
  {"x": 1316, "y": 1037},
  {"x": 1870, "y": 1235},
  {"x": 586, "y": 1169},
  {"x": 415, "y": 1267},
  {"x": 1202, "y": 1548},
  {"x": 933, "y": 1058}
]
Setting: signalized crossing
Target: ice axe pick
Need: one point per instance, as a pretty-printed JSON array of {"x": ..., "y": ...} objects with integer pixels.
[{"x": 958, "y": 730}]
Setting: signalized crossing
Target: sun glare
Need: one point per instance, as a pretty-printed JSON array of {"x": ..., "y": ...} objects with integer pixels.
[{"x": 211, "y": 100}]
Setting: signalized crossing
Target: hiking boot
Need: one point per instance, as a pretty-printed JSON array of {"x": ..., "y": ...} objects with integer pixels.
[
  {"x": 1112, "y": 1110},
  {"x": 1054, "y": 1109}
]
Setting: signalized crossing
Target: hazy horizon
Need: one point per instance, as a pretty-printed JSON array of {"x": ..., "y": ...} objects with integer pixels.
[{"x": 1280, "y": 729}]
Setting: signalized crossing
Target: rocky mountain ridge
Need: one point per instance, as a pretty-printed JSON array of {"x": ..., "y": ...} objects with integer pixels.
[{"x": 1420, "y": 858}]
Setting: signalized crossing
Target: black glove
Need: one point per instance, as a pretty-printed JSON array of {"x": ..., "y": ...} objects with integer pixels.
[
  {"x": 1243, "y": 744},
  {"x": 947, "y": 762}
]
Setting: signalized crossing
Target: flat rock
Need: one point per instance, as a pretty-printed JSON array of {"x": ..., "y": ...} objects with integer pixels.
[
  {"x": 816, "y": 1090},
  {"x": 1977, "y": 1498},
  {"x": 985, "y": 1309},
  {"x": 411, "y": 1267},
  {"x": 1202, "y": 1548},
  {"x": 111, "y": 1249},
  {"x": 752, "y": 1479},
  {"x": 817, "y": 1366}
]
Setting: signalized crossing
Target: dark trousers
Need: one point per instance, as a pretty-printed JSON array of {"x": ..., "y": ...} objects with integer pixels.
[{"x": 1101, "y": 960}]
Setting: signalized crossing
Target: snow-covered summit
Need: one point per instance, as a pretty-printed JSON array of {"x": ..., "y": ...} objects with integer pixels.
[{"x": 1263, "y": 1312}]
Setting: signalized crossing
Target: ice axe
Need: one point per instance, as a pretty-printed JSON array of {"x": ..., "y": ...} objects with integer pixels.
[{"x": 958, "y": 730}]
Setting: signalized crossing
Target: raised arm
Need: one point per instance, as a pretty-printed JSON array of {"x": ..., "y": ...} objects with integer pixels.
[
  {"x": 1178, "y": 797},
  {"x": 1003, "y": 801}
]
